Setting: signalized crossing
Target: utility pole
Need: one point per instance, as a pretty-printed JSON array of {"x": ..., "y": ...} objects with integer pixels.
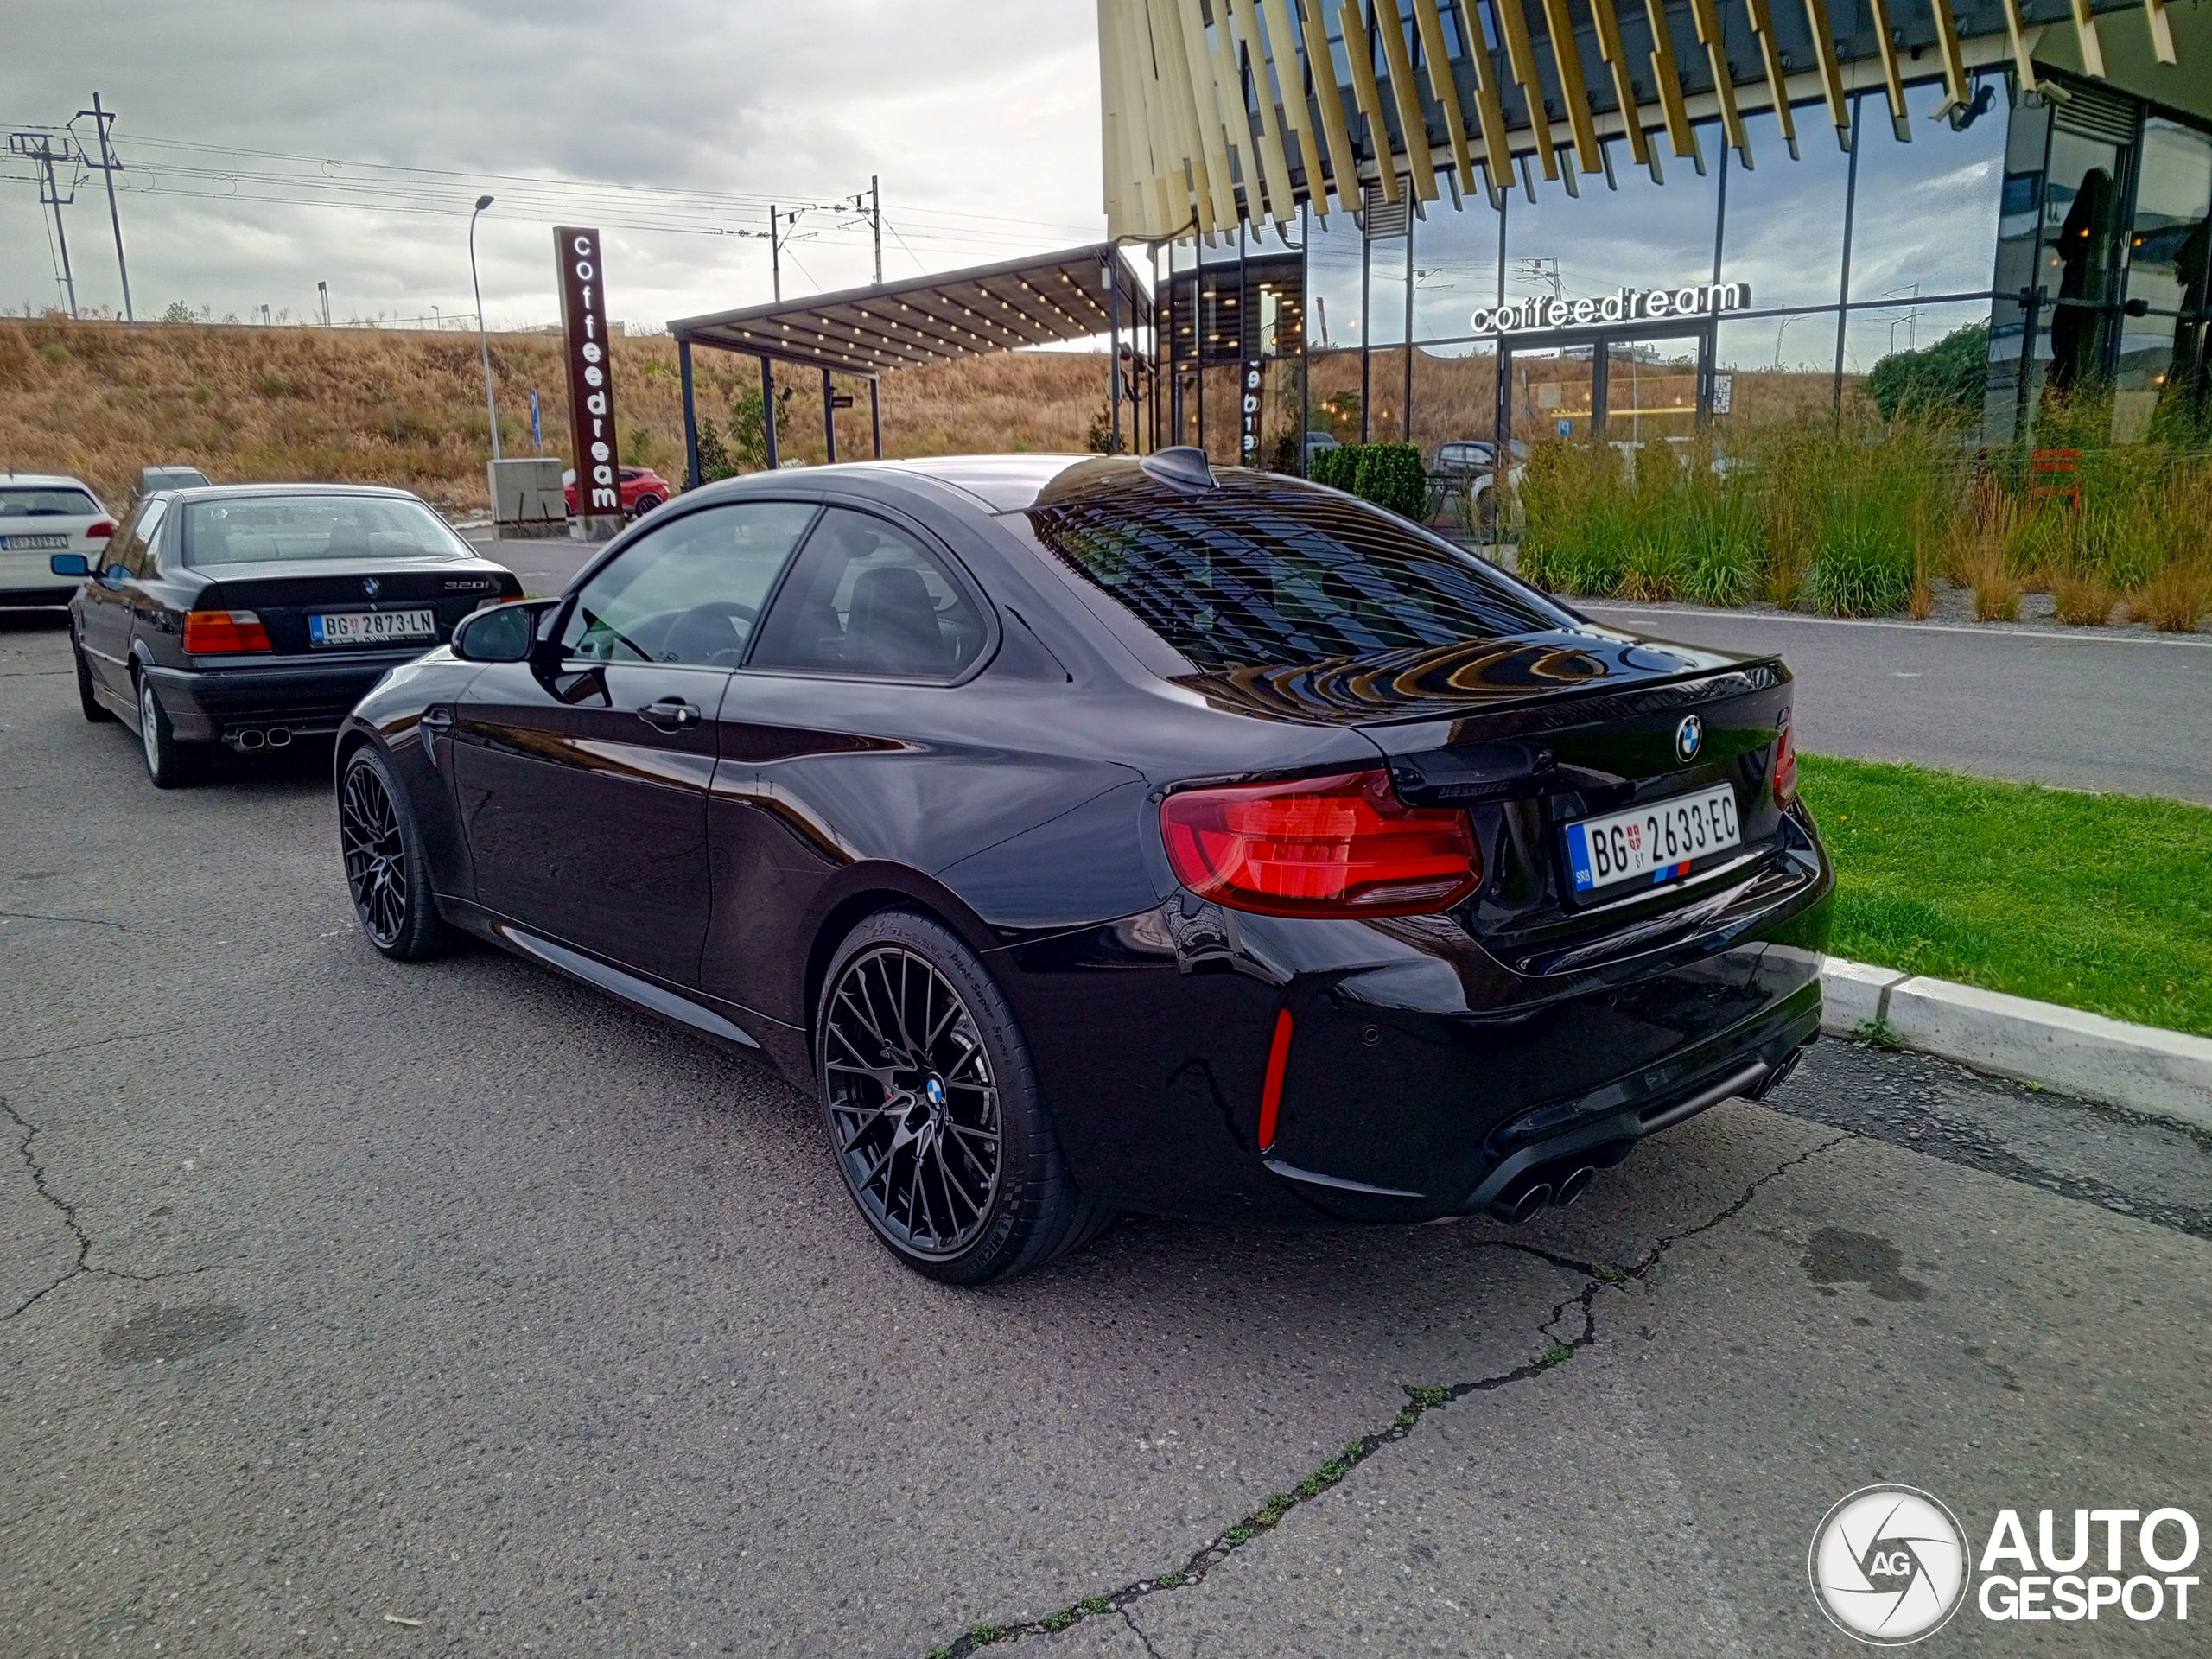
[
  {"x": 40, "y": 147},
  {"x": 110, "y": 165},
  {"x": 875, "y": 212},
  {"x": 322, "y": 292},
  {"x": 775, "y": 255}
]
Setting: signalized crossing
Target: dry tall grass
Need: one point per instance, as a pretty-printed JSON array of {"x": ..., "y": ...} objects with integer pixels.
[{"x": 101, "y": 399}]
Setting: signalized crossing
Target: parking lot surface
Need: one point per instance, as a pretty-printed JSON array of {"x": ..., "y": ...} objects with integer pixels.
[{"x": 351, "y": 1307}]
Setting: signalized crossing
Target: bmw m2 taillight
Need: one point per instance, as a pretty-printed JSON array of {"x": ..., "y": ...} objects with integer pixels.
[
  {"x": 1338, "y": 846},
  {"x": 1785, "y": 764},
  {"x": 209, "y": 632}
]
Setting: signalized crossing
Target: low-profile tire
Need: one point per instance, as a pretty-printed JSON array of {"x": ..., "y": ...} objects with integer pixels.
[
  {"x": 170, "y": 764},
  {"x": 386, "y": 871},
  {"x": 95, "y": 710},
  {"x": 644, "y": 505},
  {"x": 934, "y": 1112}
]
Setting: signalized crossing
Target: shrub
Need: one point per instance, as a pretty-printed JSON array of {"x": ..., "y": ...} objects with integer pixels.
[
  {"x": 1335, "y": 467},
  {"x": 1393, "y": 476},
  {"x": 2085, "y": 601},
  {"x": 1944, "y": 385},
  {"x": 1864, "y": 567}
]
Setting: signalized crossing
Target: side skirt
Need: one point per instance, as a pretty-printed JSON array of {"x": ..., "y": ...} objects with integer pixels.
[{"x": 649, "y": 995}]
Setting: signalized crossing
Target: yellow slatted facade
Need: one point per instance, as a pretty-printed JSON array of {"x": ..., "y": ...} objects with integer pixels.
[{"x": 1185, "y": 152}]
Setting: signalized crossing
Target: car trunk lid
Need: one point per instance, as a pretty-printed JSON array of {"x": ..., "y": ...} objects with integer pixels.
[{"x": 285, "y": 593}]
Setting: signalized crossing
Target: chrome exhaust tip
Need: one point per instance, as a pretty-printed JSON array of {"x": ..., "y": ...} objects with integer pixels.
[
  {"x": 1518, "y": 1204},
  {"x": 279, "y": 736},
  {"x": 247, "y": 742},
  {"x": 1573, "y": 1188}
]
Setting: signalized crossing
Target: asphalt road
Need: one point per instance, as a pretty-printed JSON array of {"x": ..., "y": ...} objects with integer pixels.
[
  {"x": 347, "y": 1307},
  {"x": 2083, "y": 710}
]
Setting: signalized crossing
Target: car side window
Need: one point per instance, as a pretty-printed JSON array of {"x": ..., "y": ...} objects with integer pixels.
[
  {"x": 134, "y": 550},
  {"x": 867, "y": 598},
  {"x": 689, "y": 591}
]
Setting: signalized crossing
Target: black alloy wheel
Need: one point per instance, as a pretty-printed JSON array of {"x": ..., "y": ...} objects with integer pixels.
[
  {"x": 645, "y": 503},
  {"x": 384, "y": 867},
  {"x": 95, "y": 710},
  {"x": 933, "y": 1110},
  {"x": 170, "y": 764}
]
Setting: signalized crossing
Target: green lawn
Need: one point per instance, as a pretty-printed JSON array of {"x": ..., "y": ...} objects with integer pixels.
[{"x": 2101, "y": 902}]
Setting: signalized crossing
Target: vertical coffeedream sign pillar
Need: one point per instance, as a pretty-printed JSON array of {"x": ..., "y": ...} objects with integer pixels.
[{"x": 591, "y": 382}]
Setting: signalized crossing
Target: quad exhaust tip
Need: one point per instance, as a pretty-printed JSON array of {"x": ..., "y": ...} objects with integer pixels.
[{"x": 255, "y": 737}]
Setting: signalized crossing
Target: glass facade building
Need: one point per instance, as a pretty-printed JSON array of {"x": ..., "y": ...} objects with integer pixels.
[{"x": 1741, "y": 265}]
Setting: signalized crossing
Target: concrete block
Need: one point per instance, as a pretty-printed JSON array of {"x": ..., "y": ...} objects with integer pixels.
[
  {"x": 2141, "y": 1067},
  {"x": 1853, "y": 993}
]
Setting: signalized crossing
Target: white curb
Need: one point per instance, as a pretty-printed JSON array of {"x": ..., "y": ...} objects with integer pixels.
[{"x": 2166, "y": 1073}]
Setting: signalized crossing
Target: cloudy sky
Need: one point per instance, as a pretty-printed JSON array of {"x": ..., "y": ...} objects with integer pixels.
[{"x": 270, "y": 146}]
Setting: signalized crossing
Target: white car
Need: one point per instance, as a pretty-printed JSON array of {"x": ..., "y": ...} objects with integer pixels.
[{"x": 41, "y": 515}]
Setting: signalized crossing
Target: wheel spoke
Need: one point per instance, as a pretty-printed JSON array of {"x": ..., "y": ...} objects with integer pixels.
[{"x": 912, "y": 1105}]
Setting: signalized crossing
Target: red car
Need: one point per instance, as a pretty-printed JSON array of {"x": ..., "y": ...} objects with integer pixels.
[{"x": 642, "y": 489}]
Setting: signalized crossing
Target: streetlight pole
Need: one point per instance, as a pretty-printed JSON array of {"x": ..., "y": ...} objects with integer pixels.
[{"x": 483, "y": 339}]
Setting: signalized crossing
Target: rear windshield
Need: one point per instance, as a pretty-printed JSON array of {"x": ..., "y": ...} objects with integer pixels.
[
  {"x": 40, "y": 501},
  {"x": 316, "y": 527},
  {"x": 1266, "y": 572}
]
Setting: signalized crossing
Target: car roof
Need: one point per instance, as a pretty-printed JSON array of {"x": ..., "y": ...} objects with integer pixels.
[
  {"x": 231, "y": 491},
  {"x": 47, "y": 481},
  {"x": 1003, "y": 483}
]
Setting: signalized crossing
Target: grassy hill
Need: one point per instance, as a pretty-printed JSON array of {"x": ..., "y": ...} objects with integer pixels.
[{"x": 388, "y": 406}]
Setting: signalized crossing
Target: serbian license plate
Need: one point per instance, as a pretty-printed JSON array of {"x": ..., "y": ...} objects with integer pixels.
[
  {"x": 29, "y": 543},
  {"x": 373, "y": 627},
  {"x": 1654, "y": 844}
]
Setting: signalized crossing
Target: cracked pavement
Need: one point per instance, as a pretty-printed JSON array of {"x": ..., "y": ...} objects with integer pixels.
[{"x": 348, "y": 1293}]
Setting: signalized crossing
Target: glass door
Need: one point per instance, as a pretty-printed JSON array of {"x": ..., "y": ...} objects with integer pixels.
[
  {"x": 1651, "y": 389},
  {"x": 1552, "y": 393}
]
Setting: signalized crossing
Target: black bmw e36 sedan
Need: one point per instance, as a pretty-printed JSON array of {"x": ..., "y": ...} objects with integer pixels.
[
  {"x": 251, "y": 615},
  {"x": 1117, "y": 834}
]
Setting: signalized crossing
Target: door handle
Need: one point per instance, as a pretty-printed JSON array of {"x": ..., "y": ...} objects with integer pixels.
[
  {"x": 438, "y": 719},
  {"x": 669, "y": 715}
]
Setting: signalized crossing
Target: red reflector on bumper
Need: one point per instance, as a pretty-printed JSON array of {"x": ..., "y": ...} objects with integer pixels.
[{"x": 1271, "y": 1091}]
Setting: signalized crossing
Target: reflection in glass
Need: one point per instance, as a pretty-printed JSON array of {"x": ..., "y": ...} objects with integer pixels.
[
  {"x": 1785, "y": 234},
  {"x": 1927, "y": 211},
  {"x": 1777, "y": 368},
  {"x": 1333, "y": 266},
  {"x": 1386, "y": 291},
  {"x": 2079, "y": 266},
  {"x": 1551, "y": 393},
  {"x": 1650, "y": 389},
  {"x": 2162, "y": 355},
  {"x": 1455, "y": 267},
  {"x": 1641, "y": 235},
  {"x": 1873, "y": 335},
  {"x": 1455, "y": 395},
  {"x": 2019, "y": 219},
  {"x": 1386, "y": 395}
]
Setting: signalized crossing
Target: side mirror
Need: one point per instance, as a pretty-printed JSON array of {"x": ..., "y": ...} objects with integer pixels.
[
  {"x": 503, "y": 634},
  {"x": 70, "y": 564}
]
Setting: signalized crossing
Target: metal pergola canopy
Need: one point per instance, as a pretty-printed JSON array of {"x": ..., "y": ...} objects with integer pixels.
[{"x": 1038, "y": 300}]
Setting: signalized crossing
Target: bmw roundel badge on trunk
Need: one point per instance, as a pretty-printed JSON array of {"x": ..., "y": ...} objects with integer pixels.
[
  {"x": 1689, "y": 736},
  {"x": 371, "y": 586}
]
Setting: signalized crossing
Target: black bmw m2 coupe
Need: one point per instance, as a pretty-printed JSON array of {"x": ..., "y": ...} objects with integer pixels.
[{"x": 1113, "y": 833}]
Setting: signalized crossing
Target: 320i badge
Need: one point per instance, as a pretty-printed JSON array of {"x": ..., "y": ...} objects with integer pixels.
[{"x": 1113, "y": 833}]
